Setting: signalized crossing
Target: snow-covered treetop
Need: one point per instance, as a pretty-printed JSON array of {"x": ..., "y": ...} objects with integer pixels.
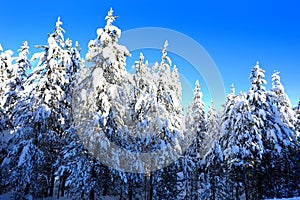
[
  {"x": 23, "y": 61},
  {"x": 277, "y": 87},
  {"x": 176, "y": 82},
  {"x": 110, "y": 18},
  {"x": 24, "y": 50},
  {"x": 197, "y": 92},
  {"x": 198, "y": 104},
  {"x": 164, "y": 58},
  {"x": 139, "y": 64},
  {"x": 211, "y": 112},
  {"x": 105, "y": 47},
  {"x": 1, "y": 49},
  {"x": 58, "y": 32},
  {"x": 257, "y": 78},
  {"x": 23, "y": 53},
  {"x": 113, "y": 31}
]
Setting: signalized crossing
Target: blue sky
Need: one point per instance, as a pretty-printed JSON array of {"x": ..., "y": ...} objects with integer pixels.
[{"x": 234, "y": 33}]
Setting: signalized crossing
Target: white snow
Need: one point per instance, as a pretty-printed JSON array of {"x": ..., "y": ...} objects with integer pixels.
[{"x": 294, "y": 198}]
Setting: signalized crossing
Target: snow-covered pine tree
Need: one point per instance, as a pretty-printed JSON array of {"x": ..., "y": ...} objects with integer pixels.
[
  {"x": 17, "y": 74},
  {"x": 175, "y": 85},
  {"x": 212, "y": 174},
  {"x": 19, "y": 152},
  {"x": 297, "y": 110},
  {"x": 214, "y": 157},
  {"x": 5, "y": 63},
  {"x": 14, "y": 93},
  {"x": 102, "y": 98},
  {"x": 282, "y": 102},
  {"x": 279, "y": 142},
  {"x": 256, "y": 144},
  {"x": 186, "y": 160},
  {"x": 143, "y": 90},
  {"x": 272, "y": 137},
  {"x": 6, "y": 67},
  {"x": 41, "y": 119},
  {"x": 242, "y": 147},
  {"x": 144, "y": 108},
  {"x": 108, "y": 67},
  {"x": 289, "y": 117},
  {"x": 213, "y": 127},
  {"x": 79, "y": 171},
  {"x": 106, "y": 53},
  {"x": 167, "y": 125},
  {"x": 196, "y": 128},
  {"x": 297, "y": 156}
]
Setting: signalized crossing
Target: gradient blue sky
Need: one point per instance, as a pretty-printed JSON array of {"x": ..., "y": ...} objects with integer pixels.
[{"x": 235, "y": 33}]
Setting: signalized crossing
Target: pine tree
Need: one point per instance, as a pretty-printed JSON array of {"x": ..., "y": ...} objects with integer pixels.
[
  {"x": 41, "y": 119},
  {"x": 15, "y": 86},
  {"x": 6, "y": 67},
  {"x": 282, "y": 102},
  {"x": 106, "y": 53},
  {"x": 297, "y": 110},
  {"x": 102, "y": 98},
  {"x": 229, "y": 104},
  {"x": 78, "y": 171},
  {"x": 5, "y": 129},
  {"x": 213, "y": 127},
  {"x": 242, "y": 147},
  {"x": 254, "y": 136},
  {"x": 196, "y": 128},
  {"x": 279, "y": 141},
  {"x": 212, "y": 174}
]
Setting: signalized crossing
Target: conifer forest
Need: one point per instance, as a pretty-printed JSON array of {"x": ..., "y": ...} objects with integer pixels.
[{"x": 84, "y": 127}]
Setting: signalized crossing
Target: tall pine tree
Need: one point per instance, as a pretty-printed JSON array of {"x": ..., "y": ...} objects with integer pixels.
[{"x": 41, "y": 119}]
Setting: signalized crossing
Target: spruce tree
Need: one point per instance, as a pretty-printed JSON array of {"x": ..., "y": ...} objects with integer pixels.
[
  {"x": 212, "y": 174},
  {"x": 5, "y": 125},
  {"x": 297, "y": 110},
  {"x": 6, "y": 68},
  {"x": 282, "y": 102},
  {"x": 196, "y": 128},
  {"x": 101, "y": 99},
  {"x": 41, "y": 119},
  {"x": 268, "y": 138},
  {"x": 278, "y": 139},
  {"x": 213, "y": 127}
]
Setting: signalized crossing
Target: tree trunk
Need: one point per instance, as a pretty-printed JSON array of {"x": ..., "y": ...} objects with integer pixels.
[
  {"x": 130, "y": 192},
  {"x": 246, "y": 185},
  {"x": 82, "y": 194},
  {"x": 151, "y": 187},
  {"x": 64, "y": 178},
  {"x": 92, "y": 194},
  {"x": 105, "y": 190},
  {"x": 145, "y": 187},
  {"x": 52, "y": 179},
  {"x": 121, "y": 194},
  {"x": 213, "y": 188},
  {"x": 59, "y": 186}
]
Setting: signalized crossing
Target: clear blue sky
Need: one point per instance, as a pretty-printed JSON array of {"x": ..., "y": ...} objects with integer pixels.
[{"x": 235, "y": 33}]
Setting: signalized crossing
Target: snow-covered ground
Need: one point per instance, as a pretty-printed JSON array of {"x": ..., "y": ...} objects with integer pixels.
[
  {"x": 10, "y": 197},
  {"x": 295, "y": 198}
]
